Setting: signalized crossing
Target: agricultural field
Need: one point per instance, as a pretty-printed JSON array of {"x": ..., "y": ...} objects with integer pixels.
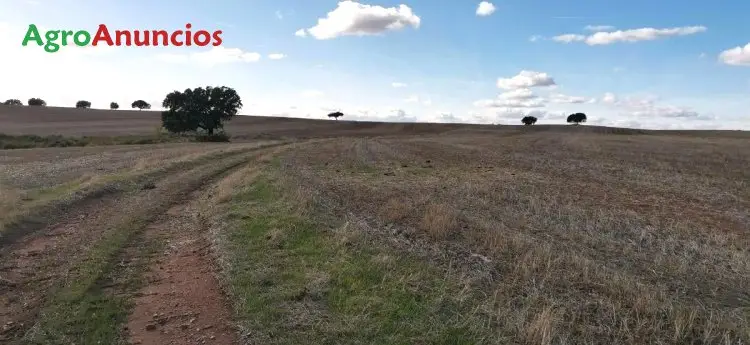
[{"x": 335, "y": 232}]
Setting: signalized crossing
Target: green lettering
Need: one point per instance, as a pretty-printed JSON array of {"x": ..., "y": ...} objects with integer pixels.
[
  {"x": 52, "y": 36},
  {"x": 86, "y": 35},
  {"x": 65, "y": 35},
  {"x": 32, "y": 34}
]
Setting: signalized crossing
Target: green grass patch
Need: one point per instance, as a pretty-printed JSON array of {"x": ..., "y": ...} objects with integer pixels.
[
  {"x": 8, "y": 142},
  {"x": 296, "y": 280},
  {"x": 81, "y": 311}
]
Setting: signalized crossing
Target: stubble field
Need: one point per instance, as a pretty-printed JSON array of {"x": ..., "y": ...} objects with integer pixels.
[{"x": 380, "y": 234}]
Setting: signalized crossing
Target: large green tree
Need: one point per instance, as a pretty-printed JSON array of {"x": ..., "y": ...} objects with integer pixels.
[{"x": 200, "y": 108}]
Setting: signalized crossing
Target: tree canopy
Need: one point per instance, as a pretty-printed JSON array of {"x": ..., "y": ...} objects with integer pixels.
[
  {"x": 36, "y": 102},
  {"x": 83, "y": 104},
  {"x": 336, "y": 115},
  {"x": 577, "y": 118},
  {"x": 12, "y": 102},
  {"x": 140, "y": 104},
  {"x": 200, "y": 108},
  {"x": 528, "y": 120},
  {"x": 114, "y": 106}
]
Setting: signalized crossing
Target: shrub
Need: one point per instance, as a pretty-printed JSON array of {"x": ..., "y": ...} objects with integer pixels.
[
  {"x": 140, "y": 104},
  {"x": 83, "y": 104},
  {"x": 220, "y": 137},
  {"x": 37, "y": 102},
  {"x": 12, "y": 102},
  {"x": 576, "y": 118},
  {"x": 114, "y": 106},
  {"x": 528, "y": 120}
]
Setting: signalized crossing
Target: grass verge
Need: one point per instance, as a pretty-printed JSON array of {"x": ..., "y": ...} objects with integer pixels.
[{"x": 297, "y": 279}]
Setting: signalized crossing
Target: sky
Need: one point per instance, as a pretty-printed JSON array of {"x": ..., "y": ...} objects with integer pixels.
[{"x": 639, "y": 64}]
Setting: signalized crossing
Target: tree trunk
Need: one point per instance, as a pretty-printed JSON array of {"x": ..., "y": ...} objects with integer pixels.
[{"x": 210, "y": 131}]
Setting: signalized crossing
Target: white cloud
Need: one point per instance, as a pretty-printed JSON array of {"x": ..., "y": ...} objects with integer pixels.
[
  {"x": 279, "y": 15},
  {"x": 417, "y": 99},
  {"x": 565, "y": 99},
  {"x": 351, "y": 18},
  {"x": 509, "y": 103},
  {"x": 398, "y": 85},
  {"x": 599, "y": 27},
  {"x": 300, "y": 33},
  {"x": 526, "y": 79},
  {"x": 535, "y": 38},
  {"x": 632, "y": 35},
  {"x": 518, "y": 94},
  {"x": 609, "y": 98},
  {"x": 517, "y": 114},
  {"x": 214, "y": 56},
  {"x": 737, "y": 56},
  {"x": 567, "y": 38},
  {"x": 276, "y": 56},
  {"x": 485, "y": 9}
]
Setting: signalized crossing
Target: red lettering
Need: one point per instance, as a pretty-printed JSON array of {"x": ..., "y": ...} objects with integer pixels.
[
  {"x": 217, "y": 38},
  {"x": 118, "y": 38},
  {"x": 174, "y": 40},
  {"x": 141, "y": 41},
  {"x": 188, "y": 35},
  {"x": 102, "y": 34},
  {"x": 155, "y": 34},
  {"x": 202, "y": 38}
]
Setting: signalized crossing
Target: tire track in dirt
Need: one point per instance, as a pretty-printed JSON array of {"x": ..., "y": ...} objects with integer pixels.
[
  {"x": 57, "y": 211},
  {"x": 30, "y": 270}
]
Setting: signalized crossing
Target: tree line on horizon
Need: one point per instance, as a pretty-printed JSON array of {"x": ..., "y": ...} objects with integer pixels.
[
  {"x": 82, "y": 104},
  {"x": 216, "y": 95}
]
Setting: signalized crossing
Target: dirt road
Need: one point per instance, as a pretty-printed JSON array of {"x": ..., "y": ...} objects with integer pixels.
[{"x": 47, "y": 276}]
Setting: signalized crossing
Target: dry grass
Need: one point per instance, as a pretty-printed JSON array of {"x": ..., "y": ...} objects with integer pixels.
[
  {"x": 582, "y": 238},
  {"x": 439, "y": 221}
]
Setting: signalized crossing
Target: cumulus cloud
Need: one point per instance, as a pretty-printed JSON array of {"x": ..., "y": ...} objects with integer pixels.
[
  {"x": 737, "y": 56},
  {"x": 485, "y": 8},
  {"x": 214, "y": 56},
  {"x": 276, "y": 56},
  {"x": 632, "y": 35},
  {"x": 535, "y": 38},
  {"x": 416, "y": 99},
  {"x": 526, "y": 79},
  {"x": 509, "y": 103},
  {"x": 649, "y": 107},
  {"x": 566, "y": 99},
  {"x": 599, "y": 27},
  {"x": 398, "y": 85},
  {"x": 567, "y": 38},
  {"x": 516, "y": 114},
  {"x": 300, "y": 33},
  {"x": 524, "y": 93},
  {"x": 351, "y": 18}
]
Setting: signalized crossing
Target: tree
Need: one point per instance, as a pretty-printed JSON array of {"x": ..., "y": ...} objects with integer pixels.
[
  {"x": 83, "y": 104},
  {"x": 12, "y": 102},
  {"x": 200, "y": 108},
  {"x": 36, "y": 102},
  {"x": 576, "y": 118},
  {"x": 336, "y": 115},
  {"x": 529, "y": 120},
  {"x": 114, "y": 106},
  {"x": 141, "y": 104}
]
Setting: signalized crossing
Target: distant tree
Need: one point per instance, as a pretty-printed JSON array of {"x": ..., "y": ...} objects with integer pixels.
[
  {"x": 529, "y": 120},
  {"x": 577, "y": 118},
  {"x": 200, "y": 108},
  {"x": 336, "y": 115},
  {"x": 114, "y": 106},
  {"x": 36, "y": 102},
  {"x": 141, "y": 104},
  {"x": 83, "y": 104},
  {"x": 12, "y": 102}
]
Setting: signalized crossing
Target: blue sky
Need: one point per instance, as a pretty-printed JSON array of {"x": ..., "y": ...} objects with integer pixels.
[{"x": 637, "y": 63}]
